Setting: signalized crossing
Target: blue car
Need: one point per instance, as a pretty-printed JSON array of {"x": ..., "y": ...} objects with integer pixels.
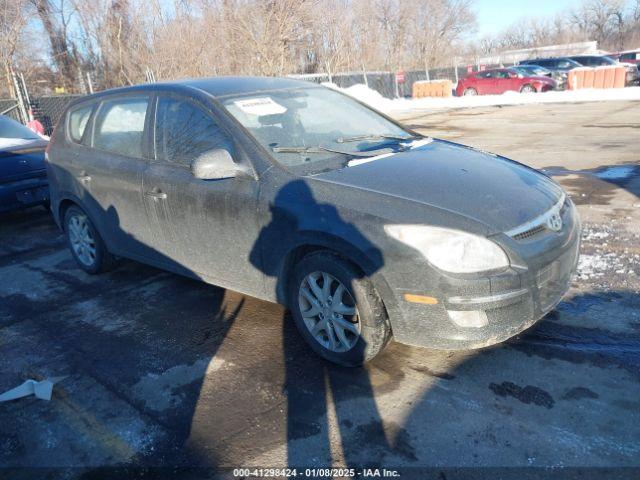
[{"x": 23, "y": 178}]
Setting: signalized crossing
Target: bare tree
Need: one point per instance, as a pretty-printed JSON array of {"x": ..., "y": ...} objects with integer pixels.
[
  {"x": 12, "y": 21},
  {"x": 54, "y": 20}
]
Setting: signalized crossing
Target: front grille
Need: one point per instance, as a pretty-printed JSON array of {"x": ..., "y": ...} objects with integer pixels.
[
  {"x": 530, "y": 233},
  {"x": 539, "y": 224}
]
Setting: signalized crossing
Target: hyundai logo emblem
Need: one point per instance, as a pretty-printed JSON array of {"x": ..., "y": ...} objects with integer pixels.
[{"x": 554, "y": 222}]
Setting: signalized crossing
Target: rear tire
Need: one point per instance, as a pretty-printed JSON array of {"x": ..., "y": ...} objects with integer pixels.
[
  {"x": 337, "y": 310},
  {"x": 472, "y": 92},
  {"x": 86, "y": 244}
]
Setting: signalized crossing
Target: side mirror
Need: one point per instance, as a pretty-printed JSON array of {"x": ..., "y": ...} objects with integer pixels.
[{"x": 214, "y": 165}]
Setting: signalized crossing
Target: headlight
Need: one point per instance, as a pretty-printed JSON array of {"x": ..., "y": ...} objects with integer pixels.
[{"x": 451, "y": 250}]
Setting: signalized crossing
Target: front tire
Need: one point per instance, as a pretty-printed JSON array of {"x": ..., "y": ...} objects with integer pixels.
[
  {"x": 528, "y": 89},
  {"x": 86, "y": 244},
  {"x": 337, "y": 310},
  {"x": 470, "y": 92}
]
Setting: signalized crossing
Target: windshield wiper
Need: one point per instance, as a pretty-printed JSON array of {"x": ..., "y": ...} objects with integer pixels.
[
  {"x": 357, "y": 138},
  {"x": 321, "y": 149}
]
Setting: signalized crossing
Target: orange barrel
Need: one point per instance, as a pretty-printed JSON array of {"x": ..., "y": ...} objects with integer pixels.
[
  {"x": 572, "y": 80},
  {"x": 620, "y": 77},
  {"x": 448, "y": 88},
  {"x": 598, "y": 79},
  {"x": 416, "y": 90},
  {"x": 580, "y": 73},
  {"x": 609, "y": 76},
  {"x": 589, "y": 75}
]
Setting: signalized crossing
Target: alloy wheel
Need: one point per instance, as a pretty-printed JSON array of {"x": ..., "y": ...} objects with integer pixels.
[
  {"x": 82, "y": 242},
  {"x": 329, "y": 311}
]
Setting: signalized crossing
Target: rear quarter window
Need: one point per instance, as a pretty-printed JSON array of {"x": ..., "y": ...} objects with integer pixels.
[
  {"x": 119, "y": 127},
  {"x": 78, "y": 119}
]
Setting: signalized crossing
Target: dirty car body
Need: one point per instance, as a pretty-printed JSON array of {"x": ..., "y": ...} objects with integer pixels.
[{"x": 457, "y": 248}]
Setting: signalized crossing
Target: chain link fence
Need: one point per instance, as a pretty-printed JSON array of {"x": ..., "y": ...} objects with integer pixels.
[
  {"x": 49, "y": 109},
  {"x": 385, "y": 82},
  {"x": 9, "y": 107}
]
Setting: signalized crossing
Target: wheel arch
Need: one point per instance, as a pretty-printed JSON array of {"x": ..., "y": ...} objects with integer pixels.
[
  {"x": 69, "y": 200},
  {"x": 307, "y": 246},
  {"x": 62, "y": 208},
  {"x": 347, "y": 252}
]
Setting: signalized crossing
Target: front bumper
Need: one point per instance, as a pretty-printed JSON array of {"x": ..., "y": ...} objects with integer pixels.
[
  {"x": 24, "y": 193},
  {"x": 512, "y": 300}
]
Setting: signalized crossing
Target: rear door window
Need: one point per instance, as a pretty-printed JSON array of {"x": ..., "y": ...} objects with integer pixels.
[
  {"x": 78, "y": 119},
  {"x": 120, "y": 126},
  {"x": 183, "y": 131}
]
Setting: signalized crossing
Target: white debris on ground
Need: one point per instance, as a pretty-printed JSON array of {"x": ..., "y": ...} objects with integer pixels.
[
  {"x": 377, "y": 101},
  {"x": 605, "y": 254},
  {"x": 590, "y": 266}
]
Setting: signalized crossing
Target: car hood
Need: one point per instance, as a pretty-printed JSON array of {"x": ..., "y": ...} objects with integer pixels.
[
  {"x": 540, "y": 78},
  {"x": 492, "y": 190}
]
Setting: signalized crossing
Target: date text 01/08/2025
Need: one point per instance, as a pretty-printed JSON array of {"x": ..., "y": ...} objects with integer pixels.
[{"x": 315, "y": 472}]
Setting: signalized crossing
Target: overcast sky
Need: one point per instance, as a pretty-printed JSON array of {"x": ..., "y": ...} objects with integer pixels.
[{"x": 495, "y": 15}]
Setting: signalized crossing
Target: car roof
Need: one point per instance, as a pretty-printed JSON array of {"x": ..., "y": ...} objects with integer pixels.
[
  {"x": 489, "y": 70},
  {"x": 540, "y": 59},
  {"x": 215, "y": 86},
  {"x": 592, "y": 55}
]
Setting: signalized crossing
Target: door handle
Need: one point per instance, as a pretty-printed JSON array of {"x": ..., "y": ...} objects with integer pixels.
[
  {"x": 156, "y": 194},
  {"x": 83, "y": 177}
]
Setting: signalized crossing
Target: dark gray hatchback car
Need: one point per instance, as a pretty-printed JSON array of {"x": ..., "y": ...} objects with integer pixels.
[{"x": 295, "y": 193}]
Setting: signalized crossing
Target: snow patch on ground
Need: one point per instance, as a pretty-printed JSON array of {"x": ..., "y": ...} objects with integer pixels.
[
  {"x": 597, "y": 265},
  {"x": 376, "y": 100},
  {"x": 606, "y": 254}
]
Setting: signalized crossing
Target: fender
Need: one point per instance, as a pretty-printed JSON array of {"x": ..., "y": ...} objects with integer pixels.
[
  {"x": 306, "y": 241},
  {"x": 91, "y": 208}
]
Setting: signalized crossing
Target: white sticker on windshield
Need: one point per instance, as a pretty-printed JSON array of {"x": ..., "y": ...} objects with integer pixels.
[{"x": 260, "y": 106}]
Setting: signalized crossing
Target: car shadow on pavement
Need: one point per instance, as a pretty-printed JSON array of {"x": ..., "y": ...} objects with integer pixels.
[
  {"x": 169, "y": 375},
  {"x": 150, "y": 359},
  {"x": 135, "y": 345},
  {"x": 316, "y": 390}
]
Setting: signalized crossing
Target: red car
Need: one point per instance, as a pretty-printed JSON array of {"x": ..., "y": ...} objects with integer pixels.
[
  {"x": 500, "y": 80},
  {"x": 630, "y": 56}
]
